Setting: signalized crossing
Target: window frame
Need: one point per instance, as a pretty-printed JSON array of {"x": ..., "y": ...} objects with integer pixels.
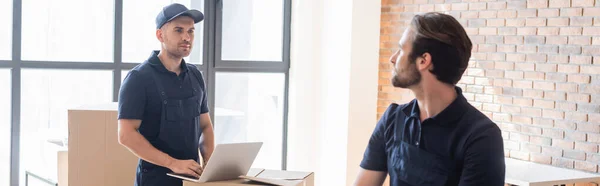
[{"x": 209, "y": 67}]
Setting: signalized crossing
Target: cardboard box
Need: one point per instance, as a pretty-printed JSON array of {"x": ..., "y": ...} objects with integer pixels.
[
  {"x": 63, "y": 167},
  {"x": 262, "y": 177},
  {"x": 95, "y": 157}
]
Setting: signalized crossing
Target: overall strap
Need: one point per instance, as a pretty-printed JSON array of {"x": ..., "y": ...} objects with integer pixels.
[{"x": 197, "y": 75}]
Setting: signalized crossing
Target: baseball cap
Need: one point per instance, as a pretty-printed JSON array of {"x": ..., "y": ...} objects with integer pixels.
[{"x": 175, "y": 10}]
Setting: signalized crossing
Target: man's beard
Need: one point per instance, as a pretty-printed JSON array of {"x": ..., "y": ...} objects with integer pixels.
[
  {"x": 179, "y": 53},
  {"x": 407, "y": 78}
]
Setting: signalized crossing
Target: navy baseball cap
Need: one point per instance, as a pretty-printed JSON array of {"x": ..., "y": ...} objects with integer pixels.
[{"x": 175, "y": 10}]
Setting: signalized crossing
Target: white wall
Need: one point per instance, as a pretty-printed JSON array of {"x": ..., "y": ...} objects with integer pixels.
[
  {"x": 333, "y": 86},
  {"x": 364, "y": 76},
  {"x": 305, "y": 73}
]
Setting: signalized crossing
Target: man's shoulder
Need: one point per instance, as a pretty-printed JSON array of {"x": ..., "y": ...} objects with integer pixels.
[
  {"x": 191, "y": 66},
  {"x": 479, "y": 125},
  {"x": 477, "y": 118},
  {"x": 194, "y": 69},
  {"x": 394, "y": 110},
  {"x": 144, "y": 67},
  {"x": 407, "y": 105},
  {"x": 139, "y": 75},
  {"x": 143, "y": 70}
]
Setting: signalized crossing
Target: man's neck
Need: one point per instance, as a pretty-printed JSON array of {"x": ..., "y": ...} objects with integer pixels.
[
  {"x": 433, "y": 99},
  {"x": 170, "y": 62}
]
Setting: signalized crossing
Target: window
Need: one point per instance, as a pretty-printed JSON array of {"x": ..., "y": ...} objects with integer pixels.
[
  {"x": 69, "y": 49},
  {"x": 5, "y": 128},
  {"x": 6, "y": 32},
  {"x": 252, "y": 30},
  {"x": 46, "y": 96},
  {"x": 124, "y": 74},
  {"x": 139, "y": 29},
  {"x": 249, "y": 107},
  {"x": 67, "y": 30},
  {"x": 249, "y": 76}
]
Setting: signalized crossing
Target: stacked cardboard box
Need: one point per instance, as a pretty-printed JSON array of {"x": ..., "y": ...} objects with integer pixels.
[{"x": 95, "y": 157}]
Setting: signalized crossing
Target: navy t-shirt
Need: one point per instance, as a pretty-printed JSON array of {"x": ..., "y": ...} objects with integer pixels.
[
  {"x": 139, "y": 97},
  {"x": 461, "y": 135}
]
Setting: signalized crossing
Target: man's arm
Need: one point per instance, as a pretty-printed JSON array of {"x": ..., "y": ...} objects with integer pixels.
[
  {"x": 136, "y": 143},
  {"x": 207, "y": 141},
  {"x": 373, "y": 167},
  {"x": 484, "y": 159},
  {"x": 369, "y": 178}
]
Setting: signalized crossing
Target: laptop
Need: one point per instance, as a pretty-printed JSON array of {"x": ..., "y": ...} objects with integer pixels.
[{"x": 228, "y": 161}]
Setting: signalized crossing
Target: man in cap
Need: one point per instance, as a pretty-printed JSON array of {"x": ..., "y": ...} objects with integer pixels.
[{"x": 163, "y": 111}]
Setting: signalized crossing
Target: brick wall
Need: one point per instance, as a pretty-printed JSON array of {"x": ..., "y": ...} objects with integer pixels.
[{"x": 535, "y": 70}]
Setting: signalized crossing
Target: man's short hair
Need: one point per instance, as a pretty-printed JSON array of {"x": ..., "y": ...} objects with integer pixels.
[{"x": 444, "y": 38}]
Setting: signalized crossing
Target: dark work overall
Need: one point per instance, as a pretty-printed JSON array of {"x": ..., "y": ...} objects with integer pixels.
[
  {"x": 178, "y": 136},
  {"x": 415, "y": 166}
]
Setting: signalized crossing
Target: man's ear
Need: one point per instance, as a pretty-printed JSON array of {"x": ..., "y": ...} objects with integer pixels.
[
  {"x": 159, "y": 35},
  {"x": 424, "y": 62}
]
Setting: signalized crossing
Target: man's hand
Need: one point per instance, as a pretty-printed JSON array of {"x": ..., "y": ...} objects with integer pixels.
[{"x": 189, "y": 167}]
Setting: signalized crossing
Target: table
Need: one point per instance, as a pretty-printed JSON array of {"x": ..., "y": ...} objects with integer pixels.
[
  {"x": 45, "y": 180},
  {"x": 525, "y": 173}
]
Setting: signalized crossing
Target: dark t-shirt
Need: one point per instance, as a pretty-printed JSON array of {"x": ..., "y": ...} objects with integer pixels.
[
  {"x": 139, "y": 97},
  {"x": 462, "y": 136}
]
